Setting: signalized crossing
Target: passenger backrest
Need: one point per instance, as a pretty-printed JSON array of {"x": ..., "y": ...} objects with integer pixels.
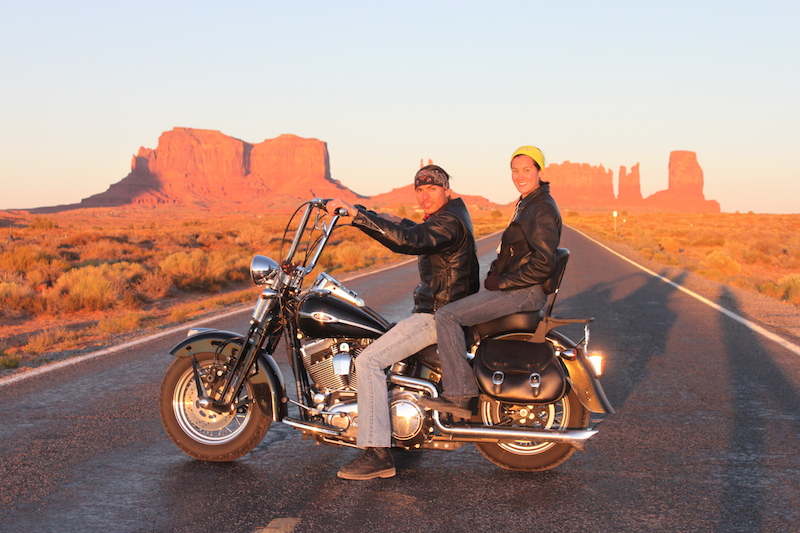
[{"x": 551, "y": 285}]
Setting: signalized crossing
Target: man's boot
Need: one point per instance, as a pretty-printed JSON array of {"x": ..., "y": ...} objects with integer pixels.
[
  {"x": 460, "y": 407},
  {"x": 372, "y": 463}
]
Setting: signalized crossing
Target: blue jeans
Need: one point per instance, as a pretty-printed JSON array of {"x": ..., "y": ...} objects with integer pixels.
[
  {"x": 406, "y": 338},
  {"x": 457, "y": 378}
]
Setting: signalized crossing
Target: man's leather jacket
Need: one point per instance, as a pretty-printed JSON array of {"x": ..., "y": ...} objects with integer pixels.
[
  {"x": 445, "y": 244},
  {"x": 528, "y": 249}
]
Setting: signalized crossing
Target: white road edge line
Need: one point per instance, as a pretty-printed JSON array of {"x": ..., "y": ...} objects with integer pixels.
[
  {"x": 184, "y": 327},
  {"x": 751, "y": 325}
]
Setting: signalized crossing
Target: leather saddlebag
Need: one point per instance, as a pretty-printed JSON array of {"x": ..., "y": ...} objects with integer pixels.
[{"x": 519, "y": 372}]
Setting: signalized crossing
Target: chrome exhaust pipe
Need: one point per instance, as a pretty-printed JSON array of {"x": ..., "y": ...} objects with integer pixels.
[{"x": 574, "y": 437}]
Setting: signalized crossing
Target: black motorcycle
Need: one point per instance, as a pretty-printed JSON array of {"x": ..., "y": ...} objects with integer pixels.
[{"x": 218, "y": 398}]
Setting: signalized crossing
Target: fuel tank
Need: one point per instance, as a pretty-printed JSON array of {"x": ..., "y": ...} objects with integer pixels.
[{"x": 322, "y": 314}]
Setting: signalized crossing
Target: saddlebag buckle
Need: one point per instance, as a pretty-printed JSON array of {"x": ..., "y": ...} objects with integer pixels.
[{"x": 536, "y": 383}]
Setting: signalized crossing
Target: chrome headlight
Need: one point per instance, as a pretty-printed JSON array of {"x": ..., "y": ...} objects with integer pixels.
[{"x": 265, "y": 271}]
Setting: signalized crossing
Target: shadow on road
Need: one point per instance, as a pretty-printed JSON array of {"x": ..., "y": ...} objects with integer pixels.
[{"x": 765, "y": 411}]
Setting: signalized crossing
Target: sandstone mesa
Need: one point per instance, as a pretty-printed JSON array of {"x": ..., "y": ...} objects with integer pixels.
[{"x": 210, "y": 170}]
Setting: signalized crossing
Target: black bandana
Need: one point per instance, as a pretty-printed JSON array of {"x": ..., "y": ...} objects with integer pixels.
[{"x": 432, "y": 175}]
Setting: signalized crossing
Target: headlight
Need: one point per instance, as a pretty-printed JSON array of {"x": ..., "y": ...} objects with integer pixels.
[{"x": 265, "y": 271}]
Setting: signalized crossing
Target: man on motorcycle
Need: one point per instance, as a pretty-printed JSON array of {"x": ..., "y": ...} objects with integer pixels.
[
  {"x": 448, "y": 269},
  {"x": 525, "y": 259}
]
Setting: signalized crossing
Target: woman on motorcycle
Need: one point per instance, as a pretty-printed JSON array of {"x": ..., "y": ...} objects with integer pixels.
[
  {"x": 448, "y": 267},
  {"x": 526, "y": 259}
]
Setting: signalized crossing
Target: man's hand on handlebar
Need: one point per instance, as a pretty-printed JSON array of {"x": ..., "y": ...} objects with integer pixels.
[{"x": 339, "y": 207}]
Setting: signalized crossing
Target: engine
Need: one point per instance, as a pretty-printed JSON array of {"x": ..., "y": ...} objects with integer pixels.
[
  {"x": 331, "y": 365},
  {"x": 330, "y": 362}
]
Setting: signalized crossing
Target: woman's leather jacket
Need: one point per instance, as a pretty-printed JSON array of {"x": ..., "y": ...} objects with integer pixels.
[
  {"x": 445, "y": 244},
  {"x": 528, "y": 249}
]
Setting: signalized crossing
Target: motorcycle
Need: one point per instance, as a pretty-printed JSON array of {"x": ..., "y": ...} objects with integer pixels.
[{"x": 223, "y": 391}]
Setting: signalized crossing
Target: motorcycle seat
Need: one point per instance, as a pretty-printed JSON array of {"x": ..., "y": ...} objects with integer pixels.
[{"x": 524, "y": 321}]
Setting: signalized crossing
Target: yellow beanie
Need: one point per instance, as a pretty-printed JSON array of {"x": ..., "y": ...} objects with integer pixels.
[{"x": 532, "y": 152}]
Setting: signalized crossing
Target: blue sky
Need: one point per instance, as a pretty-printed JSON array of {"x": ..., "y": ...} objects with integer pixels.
[{"x": 385, "y": 84}]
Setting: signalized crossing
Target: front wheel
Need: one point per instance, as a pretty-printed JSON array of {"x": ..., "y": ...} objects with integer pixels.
[
  {"x": 201, "y": 433},
  {"x": 531, "y": 455}
]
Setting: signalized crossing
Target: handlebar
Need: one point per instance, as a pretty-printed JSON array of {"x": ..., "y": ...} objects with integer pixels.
[
  {"x": 323, "y": 203},
  {"x": 319, "y": 245}
]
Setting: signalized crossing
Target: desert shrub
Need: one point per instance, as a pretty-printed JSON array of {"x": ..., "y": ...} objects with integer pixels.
[
  {"x": 20, "y": 259},
  {"x": 8, "y": 361},
  {"x": 81, "y": 238},
  {"x": 16, "y": 298},
  {"x": 121, "y": 324},
  {"x": 184, "y": 312},
  {"x": 703, "y": 239},
  {"x": 46, "y": 274},
  {"x": 43, "y": 223},
  {"x": 771, "y": 289},
  {"x": 671, "y": 245},
  {"x": 46, "y": 340},
  {"x": 718, "y": 261},
  {"x": 199, "y": 270},
  {"x": 350, "y": 257},
  {"x": 790, "y": 286},
  {"x": 253, "y": 236},
  {"x": 154, "y": 285},
  {"x": 108, "y": 250},
  {"x": 642, "y": 240},
  {"x": 82, "y": 289},
  {"x": 93, "y": 288}
]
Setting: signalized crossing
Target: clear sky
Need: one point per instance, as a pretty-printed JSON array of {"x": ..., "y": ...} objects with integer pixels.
[{"x": 84, "y": 84}]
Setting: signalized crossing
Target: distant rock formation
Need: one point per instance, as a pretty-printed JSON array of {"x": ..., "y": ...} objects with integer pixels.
[
  {"x": 630, "y": 189},
  {"x": 210, "y": 170},
  {"x": 685, "y": 190},
  {"x": 205, "y": 167},
  {"x": 578, "y": 185}
]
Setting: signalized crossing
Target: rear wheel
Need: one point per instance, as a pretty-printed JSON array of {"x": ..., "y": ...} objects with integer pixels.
[
  {"x": 202, "y": 433},
  {"x": 531, "y": 455}
]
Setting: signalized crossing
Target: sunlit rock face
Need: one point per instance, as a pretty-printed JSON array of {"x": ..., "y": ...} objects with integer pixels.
[
  {"x": 685, "y": 190},
  {"x": 211, "y": 170},
  {"x": 206, "y": 167},
  {"x": 579, "y": 185},
  {"x": 630, "y": 189}
]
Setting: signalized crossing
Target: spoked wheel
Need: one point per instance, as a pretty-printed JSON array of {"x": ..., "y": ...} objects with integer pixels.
[
  {"x": 202, "y": 433},
  {"x": 531, "y": 455}
]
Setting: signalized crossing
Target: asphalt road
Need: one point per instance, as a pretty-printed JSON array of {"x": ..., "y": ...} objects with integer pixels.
[{"x": 705, "y": 438}]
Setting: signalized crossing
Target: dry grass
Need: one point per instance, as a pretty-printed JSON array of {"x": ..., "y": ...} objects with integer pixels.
[
  {"x": 754, "y": 252},
  {"x": 101, "y": 273}
]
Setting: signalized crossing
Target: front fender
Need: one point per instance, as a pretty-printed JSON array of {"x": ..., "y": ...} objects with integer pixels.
[{"x": 267, "y": 383}]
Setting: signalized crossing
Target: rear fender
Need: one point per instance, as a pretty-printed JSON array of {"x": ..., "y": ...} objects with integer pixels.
[
  {"x": 268, "y": 384},
  {"x": 582, "y": 377}
]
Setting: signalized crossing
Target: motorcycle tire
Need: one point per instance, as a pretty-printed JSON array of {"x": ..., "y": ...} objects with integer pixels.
[
  {"x": 530, "y": 455},
  {"x": 202, "y": 433}
]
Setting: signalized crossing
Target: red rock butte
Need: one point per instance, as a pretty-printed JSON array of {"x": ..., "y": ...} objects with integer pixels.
[
  {"x": 210, "y": 170},
  {"x": 578, "y": 185},
  {"x": 207, "y": 168}
]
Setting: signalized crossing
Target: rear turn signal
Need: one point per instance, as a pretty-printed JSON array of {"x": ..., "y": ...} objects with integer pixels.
[{"x": 597, "y": 359}]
